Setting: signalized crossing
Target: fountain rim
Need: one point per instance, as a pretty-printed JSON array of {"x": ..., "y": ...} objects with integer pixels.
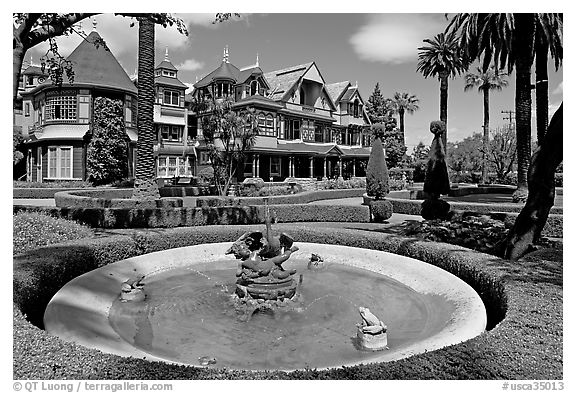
[{"x": 107, "y": 280}]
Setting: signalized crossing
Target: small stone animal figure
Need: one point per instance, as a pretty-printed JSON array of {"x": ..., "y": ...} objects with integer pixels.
[
  {"x": 206, "y": 360},
  {"x": 132, "y": 290},
  {"x": 370, "y": 323}
]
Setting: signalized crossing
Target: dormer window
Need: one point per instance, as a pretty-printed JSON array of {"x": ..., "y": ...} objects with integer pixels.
[
  {"x": 254, "y": 87},
  {"x": 171, "y": 74},
  {"x": 223, "y": 89}
]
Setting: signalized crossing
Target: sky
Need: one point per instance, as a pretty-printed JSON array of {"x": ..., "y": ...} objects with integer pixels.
[{"x": 366, "y": 48}]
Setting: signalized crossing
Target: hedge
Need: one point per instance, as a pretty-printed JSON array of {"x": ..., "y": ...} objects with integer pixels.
[
  {"x": 41, "y": 193},
  {"x": 300, "y": 198},
  {"x": 183, "y": 216},
  {"x": 523, "y": 301}
]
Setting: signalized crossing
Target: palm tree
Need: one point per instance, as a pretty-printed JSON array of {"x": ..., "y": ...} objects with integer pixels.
[
  {"x": 442, "y": 58},
  {"x": 492, "y": 79},
  {"x": 508, "y": 39},
  {"x": 548, "y": 38},
  {"x": 404, "y": 103},
  {"x": 145, "y": 186}
]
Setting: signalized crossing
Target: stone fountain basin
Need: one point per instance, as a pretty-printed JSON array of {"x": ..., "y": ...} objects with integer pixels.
[{"x": 79, "y": 312}]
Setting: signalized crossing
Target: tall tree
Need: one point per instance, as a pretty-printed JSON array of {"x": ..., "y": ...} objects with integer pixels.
[
  {"x": 548, "y": 39},
  {"x": 491, "y": 79},
  {"x": 229, "y": 135},
  {"x": 404, "y": 103},
  {"x": 508, "y": 39},
  {"x": 145, "y": 186},
  {"x": 442, "y": 58},
  {"x": 532, "y": 218},
  {"x": 378, "y": 107}
]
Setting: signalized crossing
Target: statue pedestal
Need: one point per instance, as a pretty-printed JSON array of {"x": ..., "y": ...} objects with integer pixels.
[
  {"x": 372, "y": 342},
  {"x": 266, "y": 288}
]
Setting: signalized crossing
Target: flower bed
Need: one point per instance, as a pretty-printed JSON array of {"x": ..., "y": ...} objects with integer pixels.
[{"x": 523, "y": 301}]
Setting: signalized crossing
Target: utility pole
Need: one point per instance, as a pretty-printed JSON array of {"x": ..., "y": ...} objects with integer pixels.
[{"x": 511, "y": 117}]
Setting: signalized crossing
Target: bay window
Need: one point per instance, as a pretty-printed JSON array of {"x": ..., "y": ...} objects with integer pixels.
[{"x": 61, "y": 107}]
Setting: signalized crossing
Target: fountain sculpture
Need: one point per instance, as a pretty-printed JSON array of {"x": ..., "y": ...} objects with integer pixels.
[
  {"x": 371, "y": 332},
  {"x": 260, "y": 274}
]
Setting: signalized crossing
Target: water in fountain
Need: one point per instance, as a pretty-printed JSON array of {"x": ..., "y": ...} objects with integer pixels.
[{"x": 187, "y": 315}]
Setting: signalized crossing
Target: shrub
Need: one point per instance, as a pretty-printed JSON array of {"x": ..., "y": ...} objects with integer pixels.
[
  {"x": 381, "y": 210},
  {"x": 206, "y": 175},
  {"x": 559, "y": 179},
  {"x": 52, "y": 184},
  {"x": 397, "y": 185},
  {"x": 107, "y": 153},
  {"x": 36, "y": 229},
  {"x": 377, "y": 181}
]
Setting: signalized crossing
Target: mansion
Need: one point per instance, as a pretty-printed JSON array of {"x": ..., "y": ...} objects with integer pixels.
[{"x": 307, "y": 128}]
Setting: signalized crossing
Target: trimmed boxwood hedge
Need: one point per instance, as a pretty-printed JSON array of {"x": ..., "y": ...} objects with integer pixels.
[
  {"x": 224, "y": 215},
  {"x": 523, "y": 301}
]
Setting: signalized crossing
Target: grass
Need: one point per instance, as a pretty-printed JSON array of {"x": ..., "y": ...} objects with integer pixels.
[{"x": 523, "y": 299}]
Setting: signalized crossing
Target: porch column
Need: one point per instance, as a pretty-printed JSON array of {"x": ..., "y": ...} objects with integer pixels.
[
  {"x": 353, "y": 167},
  {"x": 290, "y": 166},
  {"x": 311, "y": 167},
  {"x": 339, "y": 165},
  {"x": 253, "y": 165},
  {"x": 257, "y": 165},
  {"x": 325, "y": 167}
]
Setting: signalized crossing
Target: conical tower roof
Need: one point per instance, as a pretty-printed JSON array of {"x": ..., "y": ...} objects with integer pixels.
[{"x": 98, "y": 66}]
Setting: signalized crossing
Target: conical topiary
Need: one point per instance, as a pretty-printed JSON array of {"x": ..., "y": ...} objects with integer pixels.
[{"x": 377, "y": 180}]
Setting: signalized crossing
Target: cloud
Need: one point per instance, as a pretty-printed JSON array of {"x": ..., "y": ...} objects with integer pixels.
[
  {"x": 190, "y": 65},
  {"x": 395, "y": 38}
]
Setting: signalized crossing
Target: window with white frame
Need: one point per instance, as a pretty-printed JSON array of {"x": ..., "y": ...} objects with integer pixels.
[
  {"x": 61, "y": 107},
  {"x": 175, "y": 166},
  {"x": 171, "y": 97},
  {"x": 60, "y": 162},
  {"x": 170, "y": 132},
  {"x": 27, "y": 109},
  {"x": 266, "y": 124}
]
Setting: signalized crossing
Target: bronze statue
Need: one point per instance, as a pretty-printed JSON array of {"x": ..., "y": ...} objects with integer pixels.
[{"x": 260, "y": 272}]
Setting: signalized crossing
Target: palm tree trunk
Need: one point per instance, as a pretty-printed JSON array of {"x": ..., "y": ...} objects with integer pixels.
[
  {"x": 523, "y": 101},
  {"x": 145, "y": 186},
  {"x": 444, "y": 105},
  {"x": 401, "y": 116},
  {"x": 486, "y": 136},
  {"x": 528, "y": 226},
  {"x": 541, "y": 91}
]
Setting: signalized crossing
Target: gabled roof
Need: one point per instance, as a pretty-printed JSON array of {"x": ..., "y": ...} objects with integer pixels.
[
  {"x": 98, "y": 67},
  {"x": 225, "y": 71},
  {"x": 309, "y": 148},
  {"x": 336, "y": 90},
  {"x": 281, "y": 81}
]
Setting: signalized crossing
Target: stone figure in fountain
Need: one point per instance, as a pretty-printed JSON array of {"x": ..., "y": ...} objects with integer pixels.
[
  {"x": 132, "y": 290},
  {"x": 260, "y": 274},
  {"x": 371, "y": 332}
]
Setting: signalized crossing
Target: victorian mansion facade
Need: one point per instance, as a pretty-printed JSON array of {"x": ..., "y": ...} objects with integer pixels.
[{"x": 307, "y": 128}]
